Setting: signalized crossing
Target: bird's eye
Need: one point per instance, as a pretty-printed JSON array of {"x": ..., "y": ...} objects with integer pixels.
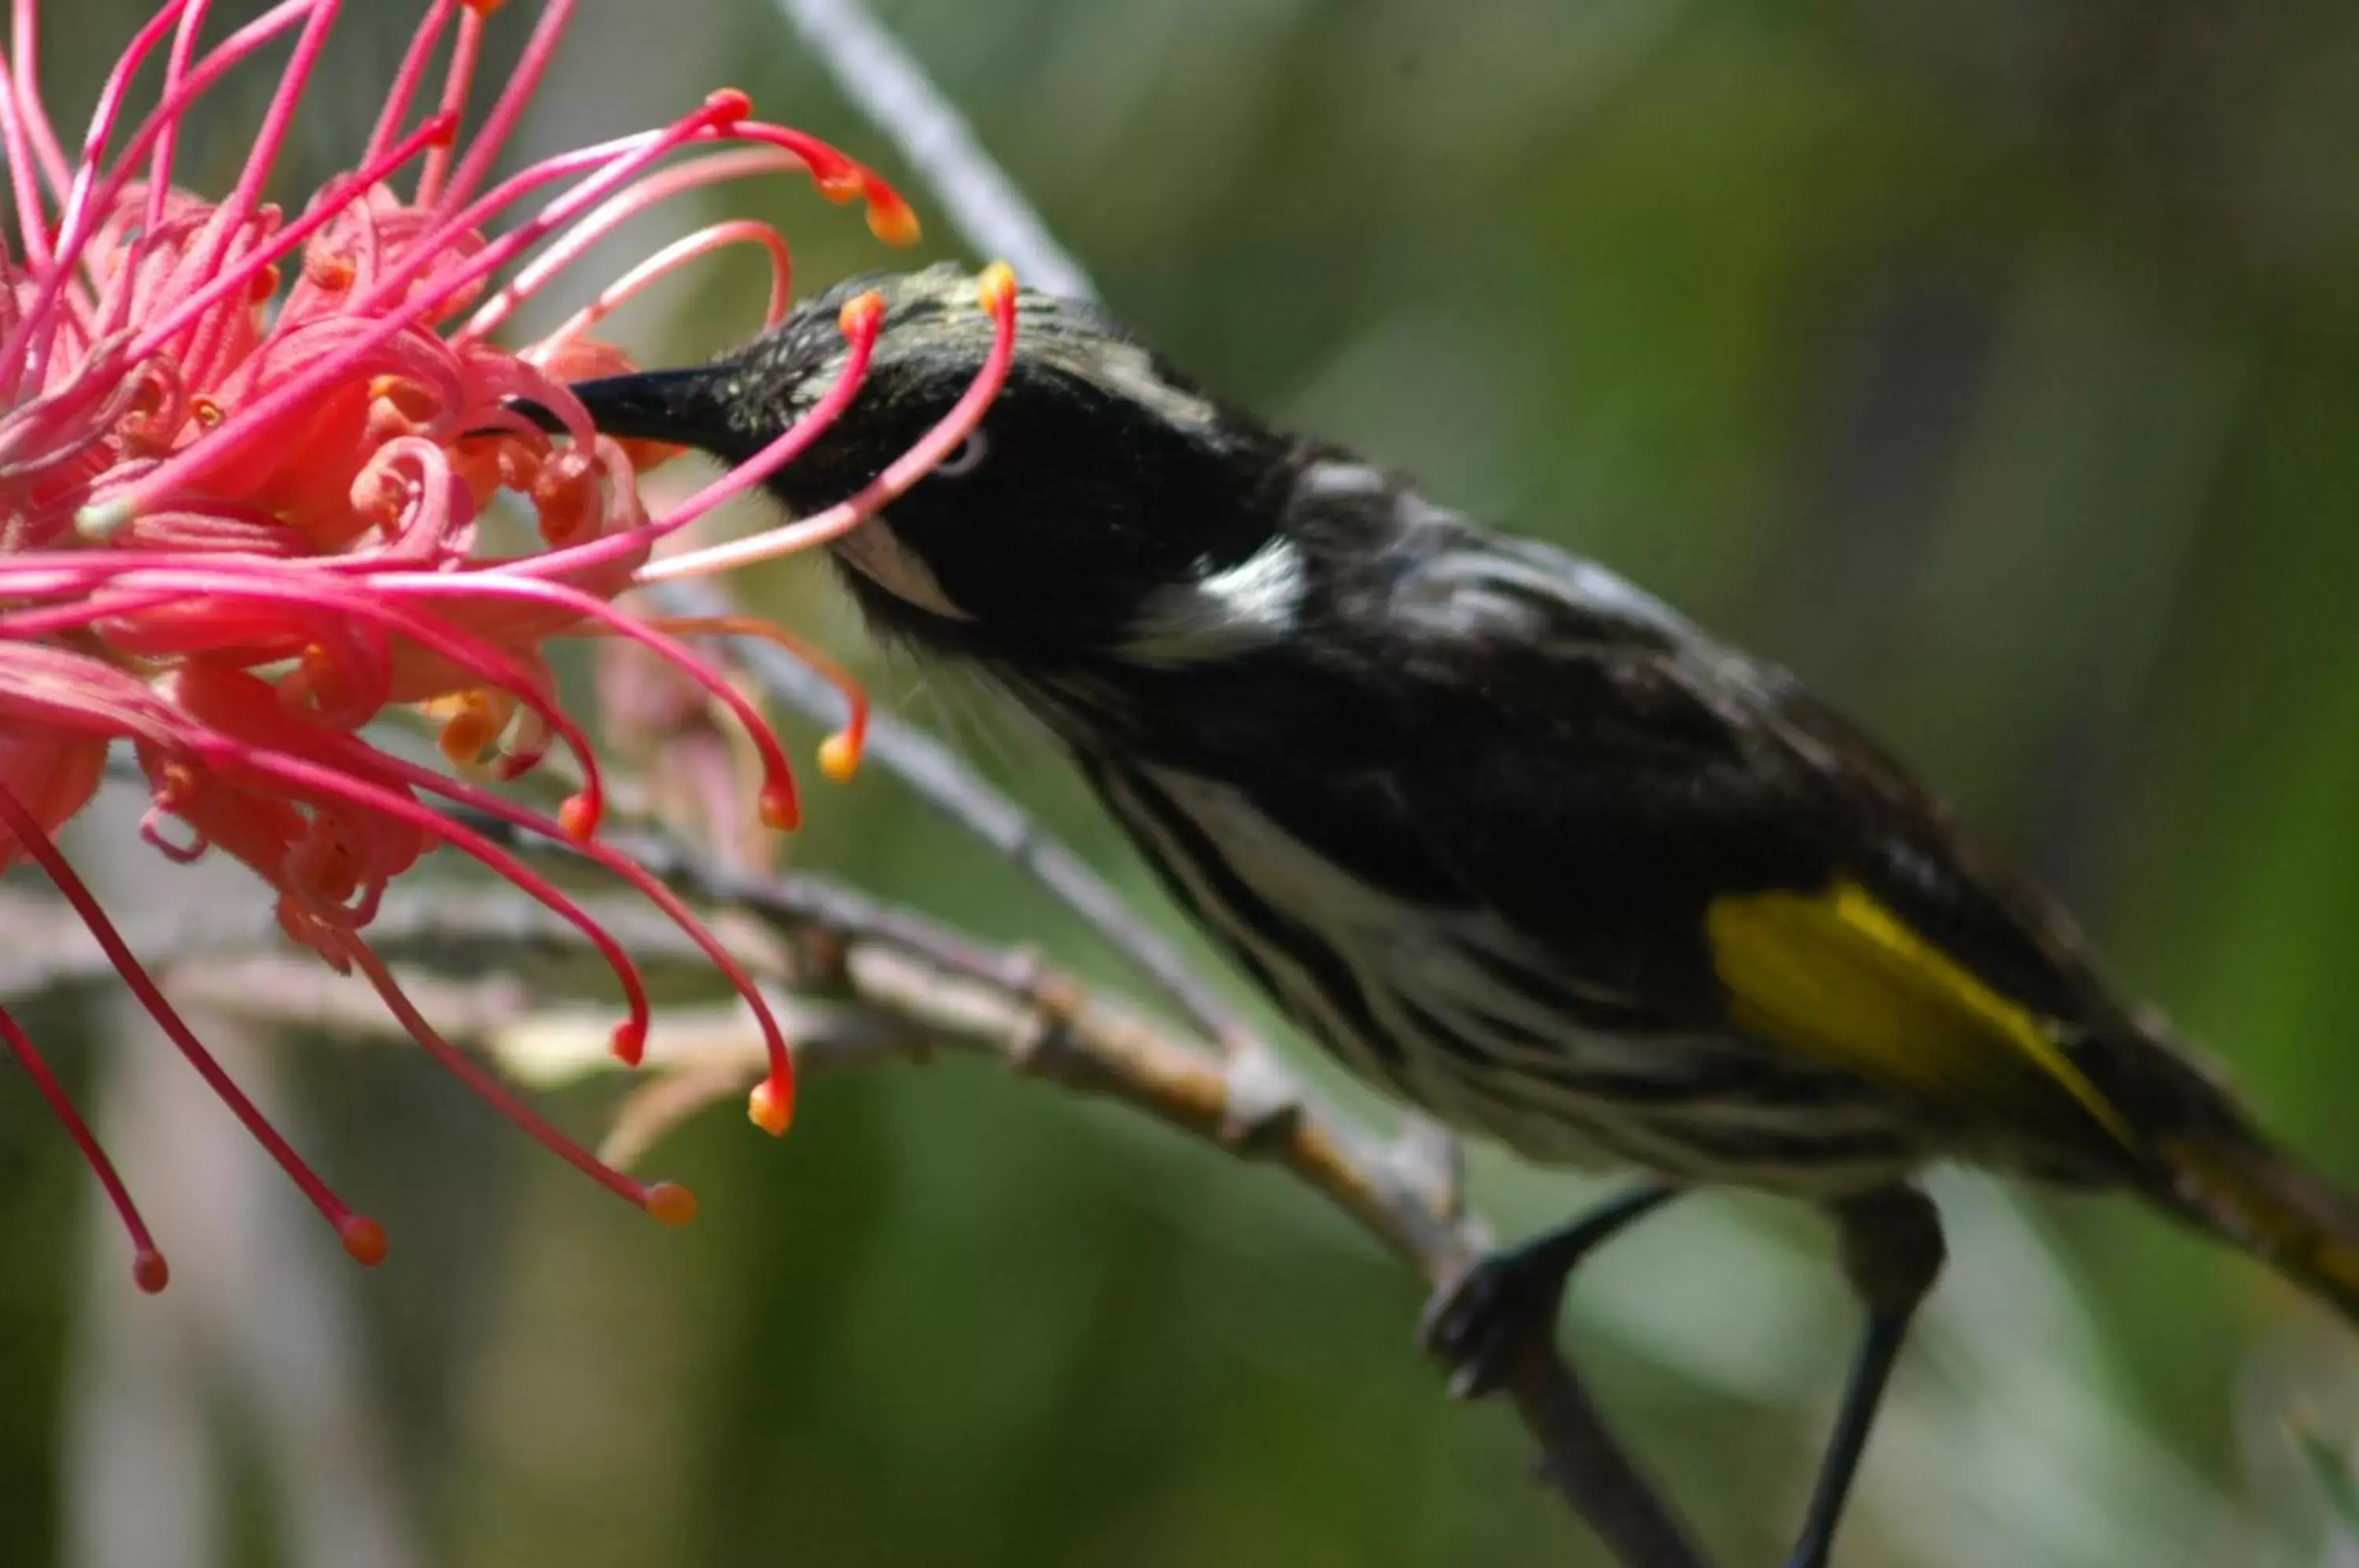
[{"x": 967, "y": 457}]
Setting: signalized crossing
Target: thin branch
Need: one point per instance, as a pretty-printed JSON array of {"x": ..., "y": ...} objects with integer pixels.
[
  {"x": 1049, "y": 1027},
  {"x": 871, "y": 984},
  {"x": 893, "y": 92}
]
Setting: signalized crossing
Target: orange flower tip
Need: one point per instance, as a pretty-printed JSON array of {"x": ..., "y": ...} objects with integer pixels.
[
  {"x": 840, "y": 183},
  {"x": 839, "y": 757},
  {"x": 468, "y": 734},
  {"x": 670, "y": 1204},
  {"x": 364, "y": 1239},
  {"x": 482, "y": 7},
  {"x": 579, "y": 817},
  {"x": 629, "y": 1042},
  {"x": 996, "y": 289},
  {"x": 332, "y": 273},
  {"x": 207, "y": 412},
  {"x": 779, "y": 811},
  {"x": 860, "y": 313},
  {"x": 102, "y": 520},
  {"x": 149, "y": 1272},
  {"x": 771, "y": 1107},
  {"x": 727, "y": 105},
  {"x": 890, "y": 219}
]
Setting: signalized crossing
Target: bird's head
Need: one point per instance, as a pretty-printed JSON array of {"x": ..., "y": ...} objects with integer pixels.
[{"x": 1099, "y": 488}]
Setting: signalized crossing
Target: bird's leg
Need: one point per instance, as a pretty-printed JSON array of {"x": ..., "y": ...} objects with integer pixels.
[
  {"x": 1893, "y": 1251},
  {"x": 1481, "y": 1320}
]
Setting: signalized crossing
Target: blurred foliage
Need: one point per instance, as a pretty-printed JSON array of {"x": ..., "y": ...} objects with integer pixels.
[{"x": 1993, "y": 363}]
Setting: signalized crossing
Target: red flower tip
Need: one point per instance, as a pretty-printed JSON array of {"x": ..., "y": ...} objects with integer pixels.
[
  {"x": 579, "y": 817},
  {"x": 670, "y": 1204},
  {"x": 771, "y": 1106},
  {"x": 728, "y": 105},
  {"x": 862, "y": 315},
  {"x": 149, "y": 1272},
  {"x": 629, "y": 1042},
  {"x": 364, "y": 1239},
  {"x": 780, "y": 810},
  {"x": 890, "y": 219}
]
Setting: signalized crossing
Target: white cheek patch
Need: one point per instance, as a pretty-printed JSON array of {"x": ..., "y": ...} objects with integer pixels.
[
  {"x": 877, "y": 552},
  {"x": 1255, "y": 601}
]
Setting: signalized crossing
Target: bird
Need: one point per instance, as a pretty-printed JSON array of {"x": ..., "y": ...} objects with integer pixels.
[{"x": 1514, "y": 841}]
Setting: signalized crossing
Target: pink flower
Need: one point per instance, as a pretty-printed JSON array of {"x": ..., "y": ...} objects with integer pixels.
[{"x": 242, "y": 457}]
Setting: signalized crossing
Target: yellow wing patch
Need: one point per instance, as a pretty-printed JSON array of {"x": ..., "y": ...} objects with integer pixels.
[{"x": 1840, "y": 978}]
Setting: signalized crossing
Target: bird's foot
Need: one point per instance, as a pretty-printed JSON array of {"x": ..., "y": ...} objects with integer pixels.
[{"x": 1481, "y": 1322}]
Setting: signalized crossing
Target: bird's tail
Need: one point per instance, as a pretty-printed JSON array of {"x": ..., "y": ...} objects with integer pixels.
[{"x": 2235, "y": 1185}]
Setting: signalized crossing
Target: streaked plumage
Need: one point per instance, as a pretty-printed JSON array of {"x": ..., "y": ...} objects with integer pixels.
[{"x": 1510, "y": 838}]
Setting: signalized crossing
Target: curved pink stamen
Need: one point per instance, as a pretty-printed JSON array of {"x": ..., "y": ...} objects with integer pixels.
[
  {"x": 159, "y": 168},
  {"x": 508, "y": 109},
  {"x": 234, "y": 756},
  {"x": 779, "y": 806},
  {"x": 406, "y": 78},
  {"x": 458, "y": 81},
  {"x": 230, "y": 217},
  {"x": 832, "y": 524},
  {"x": 200, "y": 81},
  {"x": 183, "y": 467},
  {"x": 148, "y": 1266},
  {"x": 671, "y": 259},
  {"x": 479, "y": 656},
  {"x": 840, "y": 754},
  {"x": 612, "y": 214},
  {"x": 46, "y": 149},
  {"x": 641, "y": 881},
  {"x": 498, "y": 1095},
  {"x": 332, "y": 202},
  {"x": 73, "y": 205},
  {"x": 35, "y": 842}
]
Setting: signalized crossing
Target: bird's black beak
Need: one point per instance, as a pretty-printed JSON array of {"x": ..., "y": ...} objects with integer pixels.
[{"x": 682, "y": 408}]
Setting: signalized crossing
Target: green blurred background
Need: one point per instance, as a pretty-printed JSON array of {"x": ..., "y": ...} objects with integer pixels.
[{"x": 1993, "y": 363}]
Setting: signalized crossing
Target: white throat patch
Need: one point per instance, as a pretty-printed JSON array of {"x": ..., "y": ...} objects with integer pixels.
[{"x": 877, "y": 552}]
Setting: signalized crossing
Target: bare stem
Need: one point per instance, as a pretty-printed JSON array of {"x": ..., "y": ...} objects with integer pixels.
[{"x": 902, "y": 987}]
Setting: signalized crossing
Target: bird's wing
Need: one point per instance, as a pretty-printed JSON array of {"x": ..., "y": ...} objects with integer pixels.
[{"x": 1690, "y": 829}]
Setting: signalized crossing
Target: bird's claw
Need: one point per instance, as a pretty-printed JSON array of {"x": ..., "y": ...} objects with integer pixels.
[{"x": 1482, "y": 1321}]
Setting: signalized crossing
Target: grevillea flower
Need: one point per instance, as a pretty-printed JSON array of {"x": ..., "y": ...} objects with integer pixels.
[{"x": 244, "y": 456}]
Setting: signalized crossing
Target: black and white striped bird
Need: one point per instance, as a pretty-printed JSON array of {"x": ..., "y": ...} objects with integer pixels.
[{"x": 1512, "y": 840}]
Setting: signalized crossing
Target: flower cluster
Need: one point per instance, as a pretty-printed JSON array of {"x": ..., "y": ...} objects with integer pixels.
[{"x": 245, "y": 461}]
